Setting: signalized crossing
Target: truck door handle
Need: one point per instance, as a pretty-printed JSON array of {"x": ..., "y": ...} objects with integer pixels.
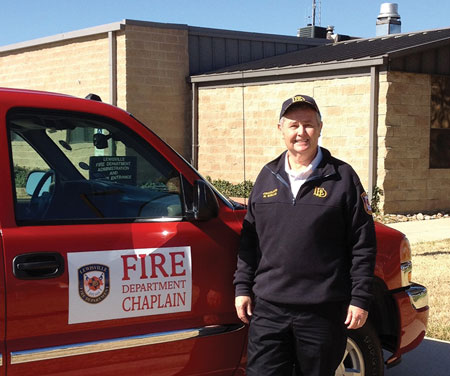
[{"x": 38, "y": 265}]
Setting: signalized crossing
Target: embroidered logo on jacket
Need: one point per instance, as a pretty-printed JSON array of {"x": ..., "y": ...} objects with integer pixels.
[
  {"x": 320, "y": 192},
  {"x": 270, "y": 193},
  {"x": 366, "y": 202}
]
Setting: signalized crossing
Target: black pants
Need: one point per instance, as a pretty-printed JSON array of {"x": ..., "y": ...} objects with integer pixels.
[{"x": 309, "y": 339}]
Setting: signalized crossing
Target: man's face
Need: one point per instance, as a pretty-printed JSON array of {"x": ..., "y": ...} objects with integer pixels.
[{"x": 301, "y": 129}]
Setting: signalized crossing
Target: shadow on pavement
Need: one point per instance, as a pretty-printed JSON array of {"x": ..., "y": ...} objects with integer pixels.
[{"x": 430, "y": 358}]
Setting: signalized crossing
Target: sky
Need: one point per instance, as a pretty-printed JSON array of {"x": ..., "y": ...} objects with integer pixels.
[{"x": 24, "y": 20}]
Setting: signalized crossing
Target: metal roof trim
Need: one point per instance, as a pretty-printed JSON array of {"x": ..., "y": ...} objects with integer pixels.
[
  {"x": 195, "y": 30},
  {"x": 161, "y": 25},
  {"x": 306, "y": 68},
  {"x": 202, "y": 31},
  {"x": 115, "y": 26}
]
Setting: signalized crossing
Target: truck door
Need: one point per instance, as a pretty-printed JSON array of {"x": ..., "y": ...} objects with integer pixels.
[
  {"x": 2, "y": 311},
  {"x": 104, "y": 273}
]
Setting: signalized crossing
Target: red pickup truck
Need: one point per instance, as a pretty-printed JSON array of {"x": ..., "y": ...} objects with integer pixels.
[{"x": 118, "y": 257}]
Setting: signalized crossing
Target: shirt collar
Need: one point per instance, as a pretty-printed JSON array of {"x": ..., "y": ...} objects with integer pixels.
[{"x": 312, "y": 166}]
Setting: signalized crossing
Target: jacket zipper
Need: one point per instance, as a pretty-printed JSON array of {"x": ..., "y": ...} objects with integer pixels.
[{"x": 286, "y": 184}]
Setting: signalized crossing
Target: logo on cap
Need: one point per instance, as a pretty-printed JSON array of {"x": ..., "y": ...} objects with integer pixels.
[{"x": 298, "y": 98}]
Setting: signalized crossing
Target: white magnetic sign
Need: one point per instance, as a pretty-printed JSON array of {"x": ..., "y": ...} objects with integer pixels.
[{"x": 115, "y": 284}]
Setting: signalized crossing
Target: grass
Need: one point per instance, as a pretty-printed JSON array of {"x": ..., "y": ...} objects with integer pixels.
[{"x": 431, "y": 268}]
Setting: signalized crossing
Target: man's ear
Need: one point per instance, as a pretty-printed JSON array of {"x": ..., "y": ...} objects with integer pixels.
[{"x": 280, "y": 124}]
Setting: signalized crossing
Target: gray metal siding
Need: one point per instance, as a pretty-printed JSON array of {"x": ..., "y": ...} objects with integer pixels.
[
  {"x": 443, "y": 60},
  {"x": 232, "y": 57},
  {"x": 433, "y": 61},
  {"x": 218, "y": 49},
  {"x": 211, "y": 52},
  {"x": 429, "y": 62},
  {"x": 269, "y": 49}
]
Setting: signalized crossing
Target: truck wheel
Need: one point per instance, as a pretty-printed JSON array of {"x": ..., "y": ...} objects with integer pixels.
[{"x": 363, "y": 355}]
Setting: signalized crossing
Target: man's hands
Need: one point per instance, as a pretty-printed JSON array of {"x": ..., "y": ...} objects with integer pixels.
[
  {"x": 356, "y": 317},
  {"x": 244, "y": 308}
]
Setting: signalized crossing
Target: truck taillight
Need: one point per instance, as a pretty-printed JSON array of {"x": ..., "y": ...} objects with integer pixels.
[{"x": 405, "y": 262}]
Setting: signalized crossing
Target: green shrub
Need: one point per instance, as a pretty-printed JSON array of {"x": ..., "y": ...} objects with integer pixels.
[
  {"x": 376, "y": 198},
  {"x": 21, "y": 175},
  {"x": 232, "y": 190},
  {"x": 243, "y": 190}
]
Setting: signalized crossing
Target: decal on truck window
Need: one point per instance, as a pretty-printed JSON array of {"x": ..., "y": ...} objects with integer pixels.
[{"x": 106, "y": 285}]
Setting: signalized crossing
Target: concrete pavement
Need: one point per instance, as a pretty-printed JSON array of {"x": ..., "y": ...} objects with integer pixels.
[
  {"x": 425, "y": 230},
  {"x": 429, "y": 359}
]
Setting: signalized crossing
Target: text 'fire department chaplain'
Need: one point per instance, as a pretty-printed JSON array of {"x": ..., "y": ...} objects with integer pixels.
[{"x": 306, "y": 256}]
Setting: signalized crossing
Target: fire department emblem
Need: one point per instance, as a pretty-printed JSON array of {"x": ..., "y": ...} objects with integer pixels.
[
  {"x": 366, "y": 202},
  {"x": 93, "y": 283}
]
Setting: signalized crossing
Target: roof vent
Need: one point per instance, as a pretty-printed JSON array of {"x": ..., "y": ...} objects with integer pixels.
[
  {"x": 389, "y": 10},
  {"x": 388, "y": 21}
]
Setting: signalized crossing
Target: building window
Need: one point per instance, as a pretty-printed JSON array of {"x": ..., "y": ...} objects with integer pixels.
[{"x": 440, "y": 122}]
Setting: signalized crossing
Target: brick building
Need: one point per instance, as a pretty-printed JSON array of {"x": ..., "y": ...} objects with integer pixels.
[
  {"x": 385, "y": 106},
  {"x": 214, "y": 95},
  {"x": 139, "y": 66}
]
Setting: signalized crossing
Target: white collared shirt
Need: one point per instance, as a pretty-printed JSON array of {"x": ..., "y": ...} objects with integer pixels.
[{"x": 297, "y": 179}]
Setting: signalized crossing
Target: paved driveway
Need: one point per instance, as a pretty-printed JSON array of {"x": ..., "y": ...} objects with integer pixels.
[
  {"x": 424, "y": 231},
  {"x": 430, "y": 358}
]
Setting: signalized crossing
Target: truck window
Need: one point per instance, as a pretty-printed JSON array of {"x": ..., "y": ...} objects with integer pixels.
[{"x": 77, "y": 167}]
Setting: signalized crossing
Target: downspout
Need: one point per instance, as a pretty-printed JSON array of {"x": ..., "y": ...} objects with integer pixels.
[
  {"x": 194, "y": 157},
  {"x": 112, "y": 68},
  {"x": 373, "y": 131}
]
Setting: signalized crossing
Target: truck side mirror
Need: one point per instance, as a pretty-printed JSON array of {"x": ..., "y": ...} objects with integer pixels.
[
  {"x": 205, "y": 202},
  {"x": 33, "y": 180}
]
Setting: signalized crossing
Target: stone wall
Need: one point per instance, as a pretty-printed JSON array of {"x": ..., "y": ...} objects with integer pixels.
[
  {"x": 152, "y": 67},
  {"x": 229, "y": 115},
  {"x": 409, "y": 184},
  {"x": 76, "y": 67},
  {"x": 238, "y": 126},
  {"x": 157, "y": 65}
]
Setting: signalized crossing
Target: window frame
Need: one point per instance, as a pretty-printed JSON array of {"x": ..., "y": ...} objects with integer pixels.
[
  {"x": 141, "y": 143},
  {"x": 439, "y": 114}
]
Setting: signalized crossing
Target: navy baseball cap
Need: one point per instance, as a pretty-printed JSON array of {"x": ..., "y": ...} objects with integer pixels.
[{"x": 298, "y": 99}]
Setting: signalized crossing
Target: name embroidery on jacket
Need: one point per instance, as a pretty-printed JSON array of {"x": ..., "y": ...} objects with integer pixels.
[
  {"x": 270, "y": 193},
  {"x": 320, "y": 192}
]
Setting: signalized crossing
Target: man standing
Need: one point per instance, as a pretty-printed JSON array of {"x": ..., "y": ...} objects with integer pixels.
[{"x": 306, "y": 256}]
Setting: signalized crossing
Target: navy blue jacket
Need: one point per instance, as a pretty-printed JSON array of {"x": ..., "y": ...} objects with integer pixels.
[{"x": 318, "y": 247}]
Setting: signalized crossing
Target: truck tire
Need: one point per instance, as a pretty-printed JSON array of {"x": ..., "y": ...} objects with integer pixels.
[{"x": 363, "y": 355}]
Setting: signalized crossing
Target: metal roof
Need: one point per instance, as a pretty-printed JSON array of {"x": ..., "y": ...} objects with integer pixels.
[{"x": 347, "y": 54}]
